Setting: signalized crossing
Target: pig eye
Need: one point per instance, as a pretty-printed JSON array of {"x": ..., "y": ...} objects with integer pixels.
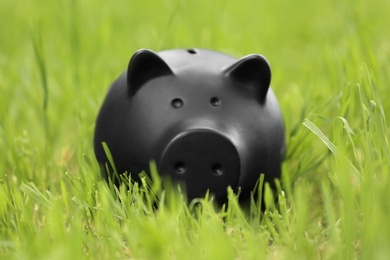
[
  {"x": 215, "y": 102},
  {"x": 177, "y": 103}
]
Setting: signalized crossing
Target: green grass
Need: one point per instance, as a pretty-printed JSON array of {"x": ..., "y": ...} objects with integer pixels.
[{"x": 330, "y": 63}]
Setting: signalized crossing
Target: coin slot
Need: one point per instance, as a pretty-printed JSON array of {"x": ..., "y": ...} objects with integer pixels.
[{"x": 192, "y": 51}]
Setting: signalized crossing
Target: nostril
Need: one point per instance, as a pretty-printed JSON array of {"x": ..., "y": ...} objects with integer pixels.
[
  {"x": 217, "y": 169},
  {"x": 180, "y": 167}
]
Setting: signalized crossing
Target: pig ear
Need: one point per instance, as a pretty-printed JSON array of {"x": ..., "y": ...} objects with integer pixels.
[
  {"x": 144, "y": 66},
  {"x": 252, "y": 70}
]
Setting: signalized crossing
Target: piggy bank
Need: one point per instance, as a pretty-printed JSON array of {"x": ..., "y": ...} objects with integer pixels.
[{"x": 207, "y": 119}]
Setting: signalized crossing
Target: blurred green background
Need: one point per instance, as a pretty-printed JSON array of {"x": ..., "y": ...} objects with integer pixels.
[
  {"x": 315, "y": 49},
  {"x": 329, "y": 59}
]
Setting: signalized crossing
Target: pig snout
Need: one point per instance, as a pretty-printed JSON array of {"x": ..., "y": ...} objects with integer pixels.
[{"x": 203, "y": 160}]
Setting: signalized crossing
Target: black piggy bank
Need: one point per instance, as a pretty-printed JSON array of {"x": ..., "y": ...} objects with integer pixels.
[{"x": 208, "y": 120}]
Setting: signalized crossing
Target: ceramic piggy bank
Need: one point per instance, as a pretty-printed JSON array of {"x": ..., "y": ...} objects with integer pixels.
[{"x": 207, "y": 119}]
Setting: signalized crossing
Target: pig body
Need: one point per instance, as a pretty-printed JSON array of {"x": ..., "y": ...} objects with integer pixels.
[{"x": 209, "y": 120}]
